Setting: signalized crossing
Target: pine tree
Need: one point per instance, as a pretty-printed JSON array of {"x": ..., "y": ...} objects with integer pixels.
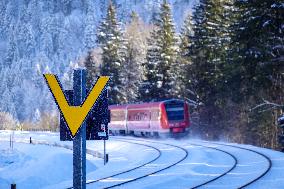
[
  {"x": 3, "y": 6},
  {"x": 149, "y": 84},
  {"x": 36, "y": 13},
  {"x": 25, "y": 34},
  {"x": 46, "y": 45},
  {"x": 90, "y": 27},
  {"x": 11, "y": 52},
  {"x": 210, "y": 42},
  {"x": 11, "y": 15},
  {"x": 136, "y": 34},
  {"x": 257, "y": 54},
  {"x": 161, "y": 58},
  {"x": 110, "y": 38},
  {"x": 92, "y": 69},
  {"x": 67, "y": 7},
  {"x": 258, "y": 42},
  {"x": 184, "y": 70},
  {"x": 209, "y": 57}
]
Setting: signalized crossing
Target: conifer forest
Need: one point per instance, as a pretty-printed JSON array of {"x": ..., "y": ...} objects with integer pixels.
[{"x": 225, "y": 57}]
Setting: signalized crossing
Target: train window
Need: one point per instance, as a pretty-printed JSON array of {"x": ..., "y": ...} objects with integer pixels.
[
  {"x": 117, "y": 115},
  {"x": 138, "y": 115},
  {"x": 175, "y": 110}
]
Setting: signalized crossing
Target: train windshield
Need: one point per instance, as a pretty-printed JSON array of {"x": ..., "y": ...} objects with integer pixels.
[{"x": 175, "y": 110}]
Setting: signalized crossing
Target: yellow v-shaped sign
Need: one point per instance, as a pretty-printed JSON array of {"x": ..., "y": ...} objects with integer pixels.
[{"x": 74, "y": 115}]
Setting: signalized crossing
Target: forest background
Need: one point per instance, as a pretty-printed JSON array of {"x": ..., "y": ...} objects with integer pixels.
[{"x": 225, "y": 57}]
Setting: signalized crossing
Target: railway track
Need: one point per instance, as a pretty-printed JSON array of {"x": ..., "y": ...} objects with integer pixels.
[
  {"x": 262, "y": 174},
  {"x": 129, "y": 170},
  {"x": 233, "y": 166},
  {"x": 143, "y": 165},
  {"x": 269, "y": 166},
  {"x": 235, "y": 161},
  {"x": 224, "y": 173}
]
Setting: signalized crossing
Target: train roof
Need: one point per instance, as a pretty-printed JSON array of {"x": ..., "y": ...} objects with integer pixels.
[{"x": 140, "y": 105}]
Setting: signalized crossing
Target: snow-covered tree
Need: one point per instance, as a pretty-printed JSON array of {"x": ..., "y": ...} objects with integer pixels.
[
  {"x": 11, "y": 52},
  {"x": 7, "y": 121},
  {"x": 90, "y": 27},
  {"x": 184, "y": 74},
  {"x": 161, "y": 58},
  {"x": 36, "y": 13},
  {"x": 209, "y": 55},
  {"x": 257, "y": 60},
  {"x": 11, "y": 16},
  {"x": 110, "y": 39},
  {"x": 66, "y": 7},
  {"x": 210, "y": 44},
  {"x": 25, "y": 35},
  {"x": 3, "y": 5},
  {"x": 49, "y": 33},
  {"x": 136, "y": 48},
  {"x": 46, "y": 44},
  {"x": 258, "y": 43},
  {"x": 92, "y": 69}
]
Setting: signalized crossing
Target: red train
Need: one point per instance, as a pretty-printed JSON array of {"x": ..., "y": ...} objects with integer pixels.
[{"x": 154, "y": 118}]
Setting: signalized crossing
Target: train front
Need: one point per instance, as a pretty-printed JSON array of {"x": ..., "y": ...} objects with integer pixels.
[{"x": 176, "y": 116}]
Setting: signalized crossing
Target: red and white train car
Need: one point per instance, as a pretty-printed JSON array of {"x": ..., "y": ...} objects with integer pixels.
[{"x": 169, "y": 116}]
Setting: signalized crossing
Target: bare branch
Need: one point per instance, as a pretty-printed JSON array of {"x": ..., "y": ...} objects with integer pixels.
[
  {"x": 192, "y": 102},
  {"x": 266, "y": 105}
]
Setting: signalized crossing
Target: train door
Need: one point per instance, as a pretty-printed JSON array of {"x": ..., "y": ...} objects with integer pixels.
[
  {"x": 117, "y": 120},
  {"x": 155, "y": 119}
]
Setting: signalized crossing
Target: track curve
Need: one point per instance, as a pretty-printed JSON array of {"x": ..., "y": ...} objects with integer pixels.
[
  {"x": 204, "y": 146},
  {"x": 132, "y": 169},
  {"x": 234, "y": 165},
  {"x": 259, "y": 153},
  {"x": 224, "y": 173},
  {"x": 268, "y": 160},
  {"x": 149, "y": 173}
]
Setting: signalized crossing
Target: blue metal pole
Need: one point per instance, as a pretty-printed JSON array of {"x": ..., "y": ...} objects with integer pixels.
[{"x": 79, "y": 141}]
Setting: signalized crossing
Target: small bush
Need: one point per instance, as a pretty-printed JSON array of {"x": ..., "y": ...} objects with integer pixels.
[{"x": 7, "y": 121}]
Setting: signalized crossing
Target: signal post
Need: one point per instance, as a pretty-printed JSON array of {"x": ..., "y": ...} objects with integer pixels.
[
  {"x": 79, "y": 141},
  {"x": 82, "y": 117}
]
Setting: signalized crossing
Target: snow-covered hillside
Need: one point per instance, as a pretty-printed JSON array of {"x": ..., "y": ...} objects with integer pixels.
[{"x": 38, "y": 36}]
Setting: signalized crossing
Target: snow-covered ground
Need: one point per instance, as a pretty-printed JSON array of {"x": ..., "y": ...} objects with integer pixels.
[
  {"x": 36, "y": 166},
  {"x": 46, "y": 166}
]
